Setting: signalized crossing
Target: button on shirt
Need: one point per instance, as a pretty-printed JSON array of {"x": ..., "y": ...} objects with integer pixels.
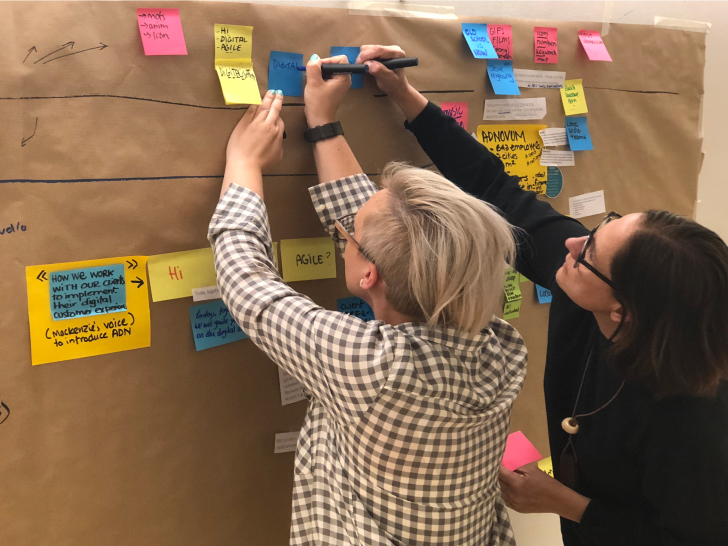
[{"x": 407, "y": 424}]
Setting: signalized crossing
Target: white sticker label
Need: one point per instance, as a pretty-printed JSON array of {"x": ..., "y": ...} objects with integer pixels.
[
  {"x": 588, "y": 204},
  {"x": 539, "y": 79},
  {"x": 209, "y": 293},
  {"x": 286, "y": 442},
  {"x": 291, "y": 390},
  {"x": 557, "y": 158},
  {"x": 521, "y": 109}
]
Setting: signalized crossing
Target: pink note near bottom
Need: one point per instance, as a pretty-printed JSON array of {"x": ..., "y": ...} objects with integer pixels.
[{"x": 519, "y": 452}]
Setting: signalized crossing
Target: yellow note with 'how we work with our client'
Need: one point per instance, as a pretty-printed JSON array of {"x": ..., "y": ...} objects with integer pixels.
[{"x": 234, "y": 64}]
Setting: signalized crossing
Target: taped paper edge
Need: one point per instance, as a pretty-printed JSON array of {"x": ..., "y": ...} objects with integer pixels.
[
  {"x": 682, "y": 24},
  {"x": 394, "y": 9},
  {"x": 607, "y": 17}
]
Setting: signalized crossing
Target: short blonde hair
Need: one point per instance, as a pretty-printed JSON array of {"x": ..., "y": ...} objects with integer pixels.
[{"x": 441, "y": 252}]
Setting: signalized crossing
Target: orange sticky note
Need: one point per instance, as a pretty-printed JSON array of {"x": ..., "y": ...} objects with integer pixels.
[
  {"x": 519, "y": 452},
  {"x": 546, "y": 47},
  {"x": 161, "y": 31}
]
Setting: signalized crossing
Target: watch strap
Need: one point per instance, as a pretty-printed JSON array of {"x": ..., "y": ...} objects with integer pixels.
[{"x": 322, "y": 132}]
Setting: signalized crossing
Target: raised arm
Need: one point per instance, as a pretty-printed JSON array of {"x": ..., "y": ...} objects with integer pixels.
[{"x": 470, "y": 165}]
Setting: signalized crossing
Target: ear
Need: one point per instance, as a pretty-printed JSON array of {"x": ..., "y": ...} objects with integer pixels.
[
  {"x": 371, "y": 277},
  {"x": 618, "y": 314}
]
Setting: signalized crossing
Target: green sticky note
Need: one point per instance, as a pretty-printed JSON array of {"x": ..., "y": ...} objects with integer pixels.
[
  {"x": 512, "y": 287},
  {"x": 511, "y": 310},
  {"x": 524, "y": 278}
]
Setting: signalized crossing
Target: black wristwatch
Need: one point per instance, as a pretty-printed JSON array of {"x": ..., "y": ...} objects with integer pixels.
[{"x": 322, "y": 132}]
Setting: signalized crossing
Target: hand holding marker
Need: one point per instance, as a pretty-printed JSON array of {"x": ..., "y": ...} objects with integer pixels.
[{"x": 329, "y": 69}]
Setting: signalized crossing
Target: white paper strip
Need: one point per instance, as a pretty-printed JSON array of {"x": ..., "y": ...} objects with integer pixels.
[
  {"x": 291, "y": 390},
  {"x": 539, "y": 79},
  {"x": 208, "y": 293},
  {"x": 285, "y": 442},
  {"x": 587, "y": 204},
  {"x": 521, "y": 109},
  {"x": 554, "y": 136},
  {"x": 557, "y": 158}
]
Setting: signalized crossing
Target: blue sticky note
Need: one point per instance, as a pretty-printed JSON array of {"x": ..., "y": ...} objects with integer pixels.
[
  {"x": 357, "y": 80},
  {"x": 87, "y": 291},
  {"x": 283, "y": 74},
  {"x": 544, "y": 294},
  {"x": 476, "y": 34},
  {"x": 502, "y": 77},
  {"x": 213, "y": 325},
  {"x": 578, "y": 133},
  {"x": 355, "y": 306}
]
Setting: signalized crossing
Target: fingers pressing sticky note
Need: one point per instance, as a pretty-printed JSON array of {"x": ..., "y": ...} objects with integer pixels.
[
  {"x": 283, "y": 73},
  {"x": 308, "y": 259},
  {"x": 161, "y": 31},
  {"x": 234, "y": 64}
]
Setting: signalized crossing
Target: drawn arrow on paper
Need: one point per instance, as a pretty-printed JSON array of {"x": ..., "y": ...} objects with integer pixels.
[
  {"x": 134, "y": 265},
  {"x": 138, "y": 282},
  {"x": 6, "y": 412},
  {"x": 25, "y": 140},
  {"x": 102, "y": 46},
  {"x": 29, "y": 52},
  {"x": 42, "y": 276},
  {"x": 64, "y": 46}
]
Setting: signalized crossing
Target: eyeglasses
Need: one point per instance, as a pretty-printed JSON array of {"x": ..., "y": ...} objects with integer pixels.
[
  {"x": 343, "y": 232},
  {"x": 581, "y": 259}
]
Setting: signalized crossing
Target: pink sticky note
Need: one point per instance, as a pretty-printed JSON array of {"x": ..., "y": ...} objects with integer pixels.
[
  {"x": 594, "y": 46},
  {"x": 546, "y": 48},
  {"x": 457, "y": 110},
  {"x": 502, "y": 39},
  {"x": 161, "y": 31},
  {"x": 519, "y": 452}
]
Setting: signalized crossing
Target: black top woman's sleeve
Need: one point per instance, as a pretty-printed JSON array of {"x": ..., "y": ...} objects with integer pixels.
[{"x": 472, "y": 167}]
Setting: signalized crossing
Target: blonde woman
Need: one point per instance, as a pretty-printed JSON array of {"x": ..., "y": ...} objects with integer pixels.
[{"x": 409, "y": 413}]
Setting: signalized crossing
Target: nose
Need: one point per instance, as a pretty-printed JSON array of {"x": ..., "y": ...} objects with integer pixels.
[{"x": 574, "y": 246}]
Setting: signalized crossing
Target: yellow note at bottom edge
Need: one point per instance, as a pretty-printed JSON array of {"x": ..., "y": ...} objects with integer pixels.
[
  {"x": 238, "y": 82},
  {"x": 546, "y": 466}
]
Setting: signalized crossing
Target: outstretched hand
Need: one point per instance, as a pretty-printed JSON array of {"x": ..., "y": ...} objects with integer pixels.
[{"x": 323, "y": 97}]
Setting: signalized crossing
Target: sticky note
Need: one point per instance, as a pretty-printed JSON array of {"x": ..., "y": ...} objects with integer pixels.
[
  {"x": 286, "y": 442},
  {"x": 519, "y": 147},
  {"x": 175, "y": 275},
  {"x": 355, "y": 306},
  {"x": 545, "y": 465},
  {"x": 546, "y": 48},
  {"x": 587, "y": 204},
  {"x": 161, "y": 31},
  {"x": 557, "y": 158},
  {"x": 476, "y": 34},
  {"x": 87, "y": 291},
  {"x": 543, "y": 294},
  {"x": 539, "y": 79},
  {"x": 357, "y": 80},
  {"x": 283, "y": 73},
  {"x": 554, "y": 182},
  {"x": 308, "y": 259},
  {"x": 87, "y": 334},
  {"x": 512, "y": 286},
  {"x": 457, "y": 110},
  {"x": 553, "y": 136},
  {"x": 213, "y": 325},
  {"x": 291, "y": 390},
  {"x": 512, "y": 309},
  {"x": 519, "y": 452},
  {"x": 514, "y": 109},
  {"x": 501, "y": 37},
  {"x": 523, "y": 278},
  {"x": 275, "y": 256},
  {"x": 572, "y": 96},
  {"x": 234, "y": 64},
  {"x": 594, "y": 45},
  {"x": 502, "y": 77},
  {"x": 578, "y": 133}
]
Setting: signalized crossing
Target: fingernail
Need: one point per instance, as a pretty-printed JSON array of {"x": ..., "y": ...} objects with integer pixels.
[
  {"x": 314, "y": 57},
  {"x": 271, "y": 91},
  {"x": 279, "y": 92}
]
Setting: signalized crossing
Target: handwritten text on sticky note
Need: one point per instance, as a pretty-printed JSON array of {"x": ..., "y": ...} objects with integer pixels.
[
  {"x": 512, "y": 286},
  {"x": 176, "y": 274},
  {"x": 512, "y": 309},
  {"x": 88, "y": 291},
  {"x": 594, "y": 46},
  {"x": 308, "y": 259},
  {"x": 457, "y": 110},
  {"x": 578, "y": 133},
  {"x": 501, "y": 37},
  {"x": 502, "y": 78},
  {"x": 234, "y": 64},
  {"x": 476, "y": 34},
  {"x": 212, "y": 325},
  {"x": 572, "y": 96},
  {"x": 356, "y": 307},
  {"x": 543, "y": 294},
  {"x": 546, "y": 48},
  {"x": 283, "y": 73},
  {"x": 161, "y": 31}
]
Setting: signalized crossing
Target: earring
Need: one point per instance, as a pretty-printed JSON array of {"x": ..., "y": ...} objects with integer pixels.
[{"x": 361, "y": 282}]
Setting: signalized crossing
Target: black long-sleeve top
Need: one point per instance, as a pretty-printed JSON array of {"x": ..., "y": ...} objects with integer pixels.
[{"x": 656, "y": 470}]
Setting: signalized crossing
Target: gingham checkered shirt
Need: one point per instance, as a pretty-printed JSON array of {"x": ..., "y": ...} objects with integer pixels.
[{"x": 407, "y": 424}]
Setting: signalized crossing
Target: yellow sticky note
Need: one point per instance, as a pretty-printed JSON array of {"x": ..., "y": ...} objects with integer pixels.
[
  {"x": 234, "y": 64},
  {"x": 512, "y": 309},
  {"x": 572, "y": 95},
  {"x": 512, "y": 287},
  {"x": 275, "y": 256},
  {"x": 308, "y": 259},
  {"x": 546, "y": 466},
  {"x": 174, "y": 275},
  {"x": 86, "y": 291},
  {"x": 519, "y": 147}
]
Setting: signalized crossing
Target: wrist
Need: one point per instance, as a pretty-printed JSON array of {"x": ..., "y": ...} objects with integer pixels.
[
  {"x": 316, "y": 121},
  {"x": 410, "y": 101},
  {"x": 571, "y": 505}
]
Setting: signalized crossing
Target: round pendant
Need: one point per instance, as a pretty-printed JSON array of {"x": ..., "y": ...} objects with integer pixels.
[{"x": 570, "y": 425}]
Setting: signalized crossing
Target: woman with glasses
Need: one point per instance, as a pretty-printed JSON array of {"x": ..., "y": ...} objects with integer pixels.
[
  {"x": 636, "y": 397},
  {"x": 409, "y": 413}
]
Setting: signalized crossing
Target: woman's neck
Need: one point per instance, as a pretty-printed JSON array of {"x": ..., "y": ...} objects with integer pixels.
[{"x": 607, "y": 326}]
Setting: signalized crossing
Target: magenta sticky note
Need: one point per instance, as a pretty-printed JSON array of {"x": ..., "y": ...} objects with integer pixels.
[
  {"x": 545, "y": 44},
  {"x": 501, "y": 37},
  {"x": 161, "y": 31},
  {"x": 519, "y": 452},
  {"x": 594, "y": 45},
  {"x": 457, "y": 110}
]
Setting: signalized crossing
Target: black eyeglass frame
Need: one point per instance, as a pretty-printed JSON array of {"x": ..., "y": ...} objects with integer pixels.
[
  {"x": 581, "y": 259},
  {"x": 349, "y": 237}
]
